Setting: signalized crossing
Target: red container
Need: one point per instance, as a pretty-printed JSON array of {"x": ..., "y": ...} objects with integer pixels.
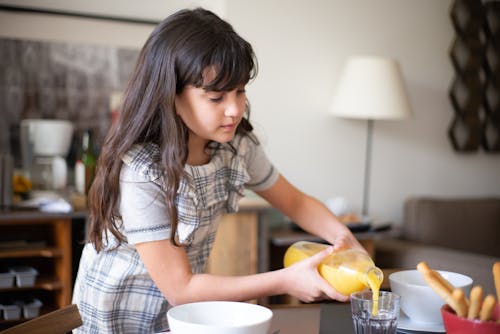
[{"x": 458, "y": 325}]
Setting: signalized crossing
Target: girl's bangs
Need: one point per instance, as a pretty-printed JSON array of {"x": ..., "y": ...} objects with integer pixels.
[{"x": 234, "y": 66}]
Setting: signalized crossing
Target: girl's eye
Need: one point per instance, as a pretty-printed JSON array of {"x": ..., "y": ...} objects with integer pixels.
[{"x": 215, "y": 99}]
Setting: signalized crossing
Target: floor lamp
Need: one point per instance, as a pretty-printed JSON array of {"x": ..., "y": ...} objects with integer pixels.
[{"x": 371, "y": 88}]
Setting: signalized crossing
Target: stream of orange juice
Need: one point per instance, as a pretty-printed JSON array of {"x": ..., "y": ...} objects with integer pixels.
[
  {"x": 346, "y": 279},
  {"x": 374, "y": 283}
]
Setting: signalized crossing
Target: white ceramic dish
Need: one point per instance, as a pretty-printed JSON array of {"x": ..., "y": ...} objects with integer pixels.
[
  {"x": 219, "y": 317},
  {"x": 418, "y": 301},
  {"x": 406, "y": 323}
]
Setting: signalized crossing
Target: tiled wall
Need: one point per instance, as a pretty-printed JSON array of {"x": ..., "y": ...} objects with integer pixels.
[{"x": 54, "y": 80}]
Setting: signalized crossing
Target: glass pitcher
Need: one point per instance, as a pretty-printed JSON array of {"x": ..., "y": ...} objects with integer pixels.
[{"x": 348, "y": 271}]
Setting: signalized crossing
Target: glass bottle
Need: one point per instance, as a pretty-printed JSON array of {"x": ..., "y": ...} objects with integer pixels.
[
  {"x": 85, "y": 164},
  {"x": 348, "y": 271}
]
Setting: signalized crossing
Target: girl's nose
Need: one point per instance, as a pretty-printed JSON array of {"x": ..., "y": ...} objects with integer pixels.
[{"x": 234, "y": 108}]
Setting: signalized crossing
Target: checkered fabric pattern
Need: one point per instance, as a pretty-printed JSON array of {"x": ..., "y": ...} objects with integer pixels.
[{"x": 113, "y": 289}]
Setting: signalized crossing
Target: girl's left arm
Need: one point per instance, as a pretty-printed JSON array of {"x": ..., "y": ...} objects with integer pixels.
[{"x": 309, "y": 213}]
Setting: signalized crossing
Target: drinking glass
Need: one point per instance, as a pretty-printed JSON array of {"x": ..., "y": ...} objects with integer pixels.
[{"x": 365, "y": 320}]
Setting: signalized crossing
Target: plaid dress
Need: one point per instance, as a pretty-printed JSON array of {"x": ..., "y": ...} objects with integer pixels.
[{"x": 113, "y": 290}]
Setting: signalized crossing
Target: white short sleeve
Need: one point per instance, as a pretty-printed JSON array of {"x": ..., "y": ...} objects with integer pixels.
[
  {"x": 262, "y": 172},
  {"x": 142, "y": 207}
]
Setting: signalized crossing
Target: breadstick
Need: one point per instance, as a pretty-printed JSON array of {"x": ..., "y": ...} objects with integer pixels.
[
  {"x": 476, "y": 298},
  {"x": 496, "y": 278},
  {"x": 487, "y": 309},
  {"x": 458, "y": 296},
  {"x": 433, "y": 281},
  {"x": 438, "y": 287},
  {"x": 423, "y": 268}
]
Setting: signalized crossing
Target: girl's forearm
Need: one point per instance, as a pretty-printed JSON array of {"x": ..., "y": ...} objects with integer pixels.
[
  {"x": 233, "y": 288},
  {"x": 308, "y": 212},
  {"x": 315, "y": 218}
]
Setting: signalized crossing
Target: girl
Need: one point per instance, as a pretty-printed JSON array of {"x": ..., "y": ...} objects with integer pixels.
[{"x": 179, "y": 156}]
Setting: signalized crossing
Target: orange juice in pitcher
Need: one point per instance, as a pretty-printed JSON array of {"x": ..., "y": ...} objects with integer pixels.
[{"x": 347, "y": 271}]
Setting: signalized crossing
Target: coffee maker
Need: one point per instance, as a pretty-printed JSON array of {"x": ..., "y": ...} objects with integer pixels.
[{"x": 45, "y": 144}]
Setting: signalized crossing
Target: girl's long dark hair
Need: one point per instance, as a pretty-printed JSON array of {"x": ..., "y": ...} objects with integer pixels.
[{"x": 176, "y": 54}]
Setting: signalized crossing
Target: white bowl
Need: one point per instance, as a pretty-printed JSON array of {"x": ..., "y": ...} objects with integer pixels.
[
  {"x": 219, "y": 317},
  {"x": 418, "y": 301}
]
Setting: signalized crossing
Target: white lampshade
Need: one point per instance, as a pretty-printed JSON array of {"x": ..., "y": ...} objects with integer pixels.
[{"x": 371, "y": 88}]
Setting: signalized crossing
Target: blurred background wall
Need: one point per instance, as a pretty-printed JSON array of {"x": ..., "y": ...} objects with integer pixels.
[{"x": 301, "y": 47}]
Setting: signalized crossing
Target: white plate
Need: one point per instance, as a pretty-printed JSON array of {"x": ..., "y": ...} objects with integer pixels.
[{"x": 405, "y": 323}]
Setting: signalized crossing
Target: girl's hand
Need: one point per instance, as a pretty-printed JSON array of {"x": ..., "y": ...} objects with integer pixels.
[
  {"x": 304, "y": 282},
  {"x": 345, "y": 241}
]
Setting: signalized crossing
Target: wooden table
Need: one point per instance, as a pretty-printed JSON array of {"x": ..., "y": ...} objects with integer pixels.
[
  {"x": 329, "y": 318},
  {"x": 296, "y": 320}
]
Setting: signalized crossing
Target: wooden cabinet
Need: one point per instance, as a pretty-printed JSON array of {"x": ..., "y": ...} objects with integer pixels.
[
  {"x": 43, "y": 242},
  {"x": 237, "y": 247}
]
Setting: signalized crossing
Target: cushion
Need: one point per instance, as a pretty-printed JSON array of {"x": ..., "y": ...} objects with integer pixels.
[{"x": 469, "y": 224}]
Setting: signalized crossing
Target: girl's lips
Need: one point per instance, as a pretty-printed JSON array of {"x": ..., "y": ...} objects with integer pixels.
[{"x": 229, "y": 126}]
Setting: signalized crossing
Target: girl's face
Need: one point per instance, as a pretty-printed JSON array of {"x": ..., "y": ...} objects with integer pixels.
[{"x": 211, "y": 115}]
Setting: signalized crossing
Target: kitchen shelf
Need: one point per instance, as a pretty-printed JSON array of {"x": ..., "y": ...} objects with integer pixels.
[
  {"x": 49, "y": 252},
  {"x": 42, "y": 241},
  {"x": 42, "y": 283},
  {"x": 8, "y": 323}
]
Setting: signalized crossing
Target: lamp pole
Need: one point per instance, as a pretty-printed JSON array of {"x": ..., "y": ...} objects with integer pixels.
[
  {"x": 379, "y": 83},
  {"x": 368, "y": 158}
]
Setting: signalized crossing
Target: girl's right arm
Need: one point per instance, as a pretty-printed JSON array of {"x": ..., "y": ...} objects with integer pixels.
[{"x": 169, "y": 268}]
